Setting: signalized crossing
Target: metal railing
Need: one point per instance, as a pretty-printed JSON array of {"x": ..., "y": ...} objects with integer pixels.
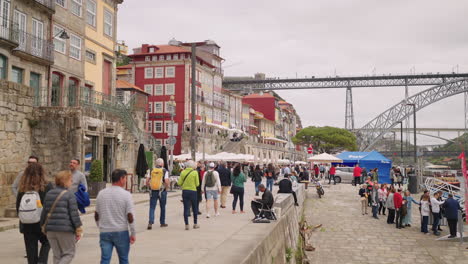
[
  {"x": 8, "y": 30},
  {"x": 35, "y": 46},
  {"x": 47, "y": 3}
]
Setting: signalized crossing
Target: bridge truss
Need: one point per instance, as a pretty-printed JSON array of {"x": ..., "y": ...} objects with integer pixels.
[{"x": 255, "y": 85}]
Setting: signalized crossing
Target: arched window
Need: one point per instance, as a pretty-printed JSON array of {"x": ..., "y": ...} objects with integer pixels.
[
  {"x": 3, "y": 66},
  {"x": 56, "y": 93},
  {"x": 72, "y": 91}
]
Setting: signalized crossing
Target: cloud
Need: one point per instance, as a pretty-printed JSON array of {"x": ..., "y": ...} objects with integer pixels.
[{"x": 319, "y": 38}]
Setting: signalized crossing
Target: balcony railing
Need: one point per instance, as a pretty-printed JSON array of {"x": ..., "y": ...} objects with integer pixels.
[
  {"x": 36, "y": 47},
  {"x": 50, "y": 4},
  {"x": 8, "y": 32}
]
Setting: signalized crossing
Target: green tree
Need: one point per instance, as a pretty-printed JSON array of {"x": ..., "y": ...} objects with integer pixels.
[
  {"x": 326, "y": 139},
  {"x": 95, "y": 174}
]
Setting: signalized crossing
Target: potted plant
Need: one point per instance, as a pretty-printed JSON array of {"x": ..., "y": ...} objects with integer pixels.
[{"x": 96, "y": 182}]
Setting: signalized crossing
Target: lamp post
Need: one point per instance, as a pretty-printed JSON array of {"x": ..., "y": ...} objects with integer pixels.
[
  {"x": 414, "y": 133},
  {"x": 203, "y": 115},
  {"x": 193, "y": 91},
  {"x": 172, "y": 103}
]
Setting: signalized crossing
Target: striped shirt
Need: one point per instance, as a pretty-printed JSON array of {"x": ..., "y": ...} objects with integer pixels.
[{"x": 113, "y": 204}]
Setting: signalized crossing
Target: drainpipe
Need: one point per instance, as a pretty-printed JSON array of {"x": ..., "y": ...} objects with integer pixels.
[{"x": 51, "y": 34}]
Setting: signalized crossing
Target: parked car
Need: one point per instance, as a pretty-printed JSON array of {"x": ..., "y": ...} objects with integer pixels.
[{"x": 344, "y": 174}]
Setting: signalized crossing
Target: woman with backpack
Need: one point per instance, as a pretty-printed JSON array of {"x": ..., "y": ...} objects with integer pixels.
[
  {"x": 257, "y": 178},
  {"x": 237, "y": 188},
  {"x": 60, "y": 219},
  {"x": 269, "y": 174},
  {"x": 32, "y": 191}
]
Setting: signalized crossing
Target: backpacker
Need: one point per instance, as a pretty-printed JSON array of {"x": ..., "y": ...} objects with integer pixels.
[
  {"x": 156, "y": 180},
  {"x": 210, "y": 179},
  {"x": 30, "y": 208}
]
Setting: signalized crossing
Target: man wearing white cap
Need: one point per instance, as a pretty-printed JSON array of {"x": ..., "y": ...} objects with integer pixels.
[{"x": 212, "y": 186}]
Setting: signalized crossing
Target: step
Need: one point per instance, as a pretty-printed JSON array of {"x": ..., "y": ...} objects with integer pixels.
[{"x": 10, "y": 213}]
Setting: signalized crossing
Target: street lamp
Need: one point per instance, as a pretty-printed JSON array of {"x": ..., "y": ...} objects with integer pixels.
[
  {"x": 172, "y": 104},
  {"x": 193, "y": 45},
  {"x": 203, "y": 116},
  {"x": 414, "y": 133}
]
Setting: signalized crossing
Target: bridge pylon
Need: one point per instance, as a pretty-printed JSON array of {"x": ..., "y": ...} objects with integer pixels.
[{"x": 349, "y": 114}]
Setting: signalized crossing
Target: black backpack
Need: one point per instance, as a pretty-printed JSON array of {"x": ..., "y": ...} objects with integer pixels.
[{"x": 210, "y": 180}]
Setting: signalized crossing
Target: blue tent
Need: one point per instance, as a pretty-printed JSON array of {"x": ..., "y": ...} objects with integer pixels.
[{"x": 369, "y": 160}]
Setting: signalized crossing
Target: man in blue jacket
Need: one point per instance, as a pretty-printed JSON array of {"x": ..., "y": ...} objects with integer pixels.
[{"x": 451, "y": 212}]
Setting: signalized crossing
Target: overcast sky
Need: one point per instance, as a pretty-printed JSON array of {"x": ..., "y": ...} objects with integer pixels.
[{"x": 320, "y": 38}]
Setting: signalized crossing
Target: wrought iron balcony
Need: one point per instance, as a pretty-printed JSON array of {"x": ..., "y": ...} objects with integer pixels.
[
  {"x": 44, "y": 5},
  {"x": 8, "y": 33},
  {"x": 34, "y": 48}
]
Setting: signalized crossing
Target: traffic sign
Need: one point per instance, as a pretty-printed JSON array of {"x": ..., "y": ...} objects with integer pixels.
[
  {"x": 310, "y": 150},
  {"x": 171, "y": 141}
]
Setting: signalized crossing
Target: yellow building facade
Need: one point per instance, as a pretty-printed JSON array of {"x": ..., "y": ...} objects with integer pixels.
[{"x": 100, "y": 42}]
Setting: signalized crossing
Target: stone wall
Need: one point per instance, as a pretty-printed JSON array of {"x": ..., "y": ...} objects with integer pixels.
[{"x": 15, "y": 112}]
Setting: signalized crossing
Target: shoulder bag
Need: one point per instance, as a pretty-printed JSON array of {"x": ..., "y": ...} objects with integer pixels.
[{"x": 43, "y": 227}]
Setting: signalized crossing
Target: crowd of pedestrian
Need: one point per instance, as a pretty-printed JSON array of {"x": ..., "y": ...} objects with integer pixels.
[{"x": 399, "y": 206}]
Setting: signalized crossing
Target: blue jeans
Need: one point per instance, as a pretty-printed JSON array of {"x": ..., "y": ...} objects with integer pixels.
[
  {"x": 238, "y": 193},
  {"x": 256, "y": 186},
  {"x": 154, "y": 197},
  {"x": 424, "y": 223},
  {"x": 435, "y": 223},
  {"x": 190, "y": 199},
  {"x": 374, "y": 210},
  {"x": 119, "y": 240},
  {"x": 270, "y": 184}
]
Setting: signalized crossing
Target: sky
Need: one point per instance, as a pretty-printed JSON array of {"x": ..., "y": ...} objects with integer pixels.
[{"x": 303, "y": 38}]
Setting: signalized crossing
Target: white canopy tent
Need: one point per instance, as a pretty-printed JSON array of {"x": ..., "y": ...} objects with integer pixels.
[{"x": 325, "y": 158}]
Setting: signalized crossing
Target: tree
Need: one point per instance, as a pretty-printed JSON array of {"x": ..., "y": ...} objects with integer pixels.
[
  {"x": 326, "y": 139},
  {"x": 96, "y": 174}
]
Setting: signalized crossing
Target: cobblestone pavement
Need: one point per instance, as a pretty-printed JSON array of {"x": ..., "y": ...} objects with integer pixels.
[{"x": 346, "y": 236}]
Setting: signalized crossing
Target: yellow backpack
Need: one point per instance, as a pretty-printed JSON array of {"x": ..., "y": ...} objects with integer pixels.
[{"x": 156, "y": 180}]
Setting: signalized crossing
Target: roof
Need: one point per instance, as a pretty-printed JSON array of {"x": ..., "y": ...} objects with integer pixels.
[
  {"x": 120, "y": 84},
  {"x": 265, "y": 95},
  {"x": 163, "y": 49},
  {"x": 128, "y": 66}
]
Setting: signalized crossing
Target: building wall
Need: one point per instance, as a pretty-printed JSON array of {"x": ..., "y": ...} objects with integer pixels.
[
  {"x": 266, "y": 105},
  {"x": 16, "y": 103},
  {"x": 101, "y": 45}
]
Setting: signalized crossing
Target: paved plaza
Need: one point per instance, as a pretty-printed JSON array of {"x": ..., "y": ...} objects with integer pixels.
[{"x": 346, "y": 236}]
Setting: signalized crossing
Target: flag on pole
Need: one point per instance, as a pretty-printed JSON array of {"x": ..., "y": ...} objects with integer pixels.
[{"x": 465, "y": 176}]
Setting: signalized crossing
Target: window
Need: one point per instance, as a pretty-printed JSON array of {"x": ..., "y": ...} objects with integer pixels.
[
  {"x": 56, "y": 89},
  {"x": 75, "y": 7},
  {"x": 176, "y": 56},
  {"x": 158, "y": 107},
  {"x": 149, "y": 89},
  {"x": 147, "y": 58},
  {"x": 170, "y": 89},
  {"x": 158, "y": 142},
  {"x": 158, "y": 89},
  {"x": 91, "y": 56},
  {"x": 170, "y": 72},
  {"x": 19, "y": 19},
  {"x": 3, "y": 66},
  {"x": 169, "y": 108},
  {"x": 159, "y": 73},
  {"x": 161, "y": 57},
  {"x": 149, "y": 125},
  {"x": 151, "y": 50},
  {"x": 37, "y": 35},
  {"x": 91, "y": 13},
  {"x": 35, "y": 84},
  {"x": 150, "y": 108},
  {"x": 171, "y": 128},
  {"x": 61, "y": 3},
  {"x": 148, "y": 73},
  {"x": 59, "y": 43},
  {"x": 158, "y": 127},
  {"x": 168, "y": 57},
  {"x": 155, "y": 58},
  {"x": 75, "y": 47},
  {"x": 16, "y": 75},
  {"x": 108, "y": 23},
  {"x": 72, "y": 91}
]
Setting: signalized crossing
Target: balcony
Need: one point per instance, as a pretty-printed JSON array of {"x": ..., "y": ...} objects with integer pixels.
[
  {"x": 8, "y": 33},
  {"x": 47, "y": 6},
  {"x": 34, "y": 49}
]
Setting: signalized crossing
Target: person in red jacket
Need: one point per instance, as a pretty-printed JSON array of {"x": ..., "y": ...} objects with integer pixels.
[
  {"x": 398, "y": 202},
  {"x": 331, "y": 175},
  {"x": 357, "y": 175}
]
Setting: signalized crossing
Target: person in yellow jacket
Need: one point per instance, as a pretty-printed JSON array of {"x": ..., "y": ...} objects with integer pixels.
[
  {"x": 188, "y": 182},
  {"x": 158, "y": 182}
]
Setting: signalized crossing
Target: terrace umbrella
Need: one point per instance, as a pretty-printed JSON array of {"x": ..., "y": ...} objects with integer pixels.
[{"x": 141, "y": 165}]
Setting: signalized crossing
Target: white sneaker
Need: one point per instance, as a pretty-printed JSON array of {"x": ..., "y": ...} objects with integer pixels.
[
  {"x": 217, "y": 214},
  {"x": 207, "y": 215}
]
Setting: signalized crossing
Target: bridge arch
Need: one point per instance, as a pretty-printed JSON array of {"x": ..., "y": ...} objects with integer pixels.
[{"x": 373, "y": 131}]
